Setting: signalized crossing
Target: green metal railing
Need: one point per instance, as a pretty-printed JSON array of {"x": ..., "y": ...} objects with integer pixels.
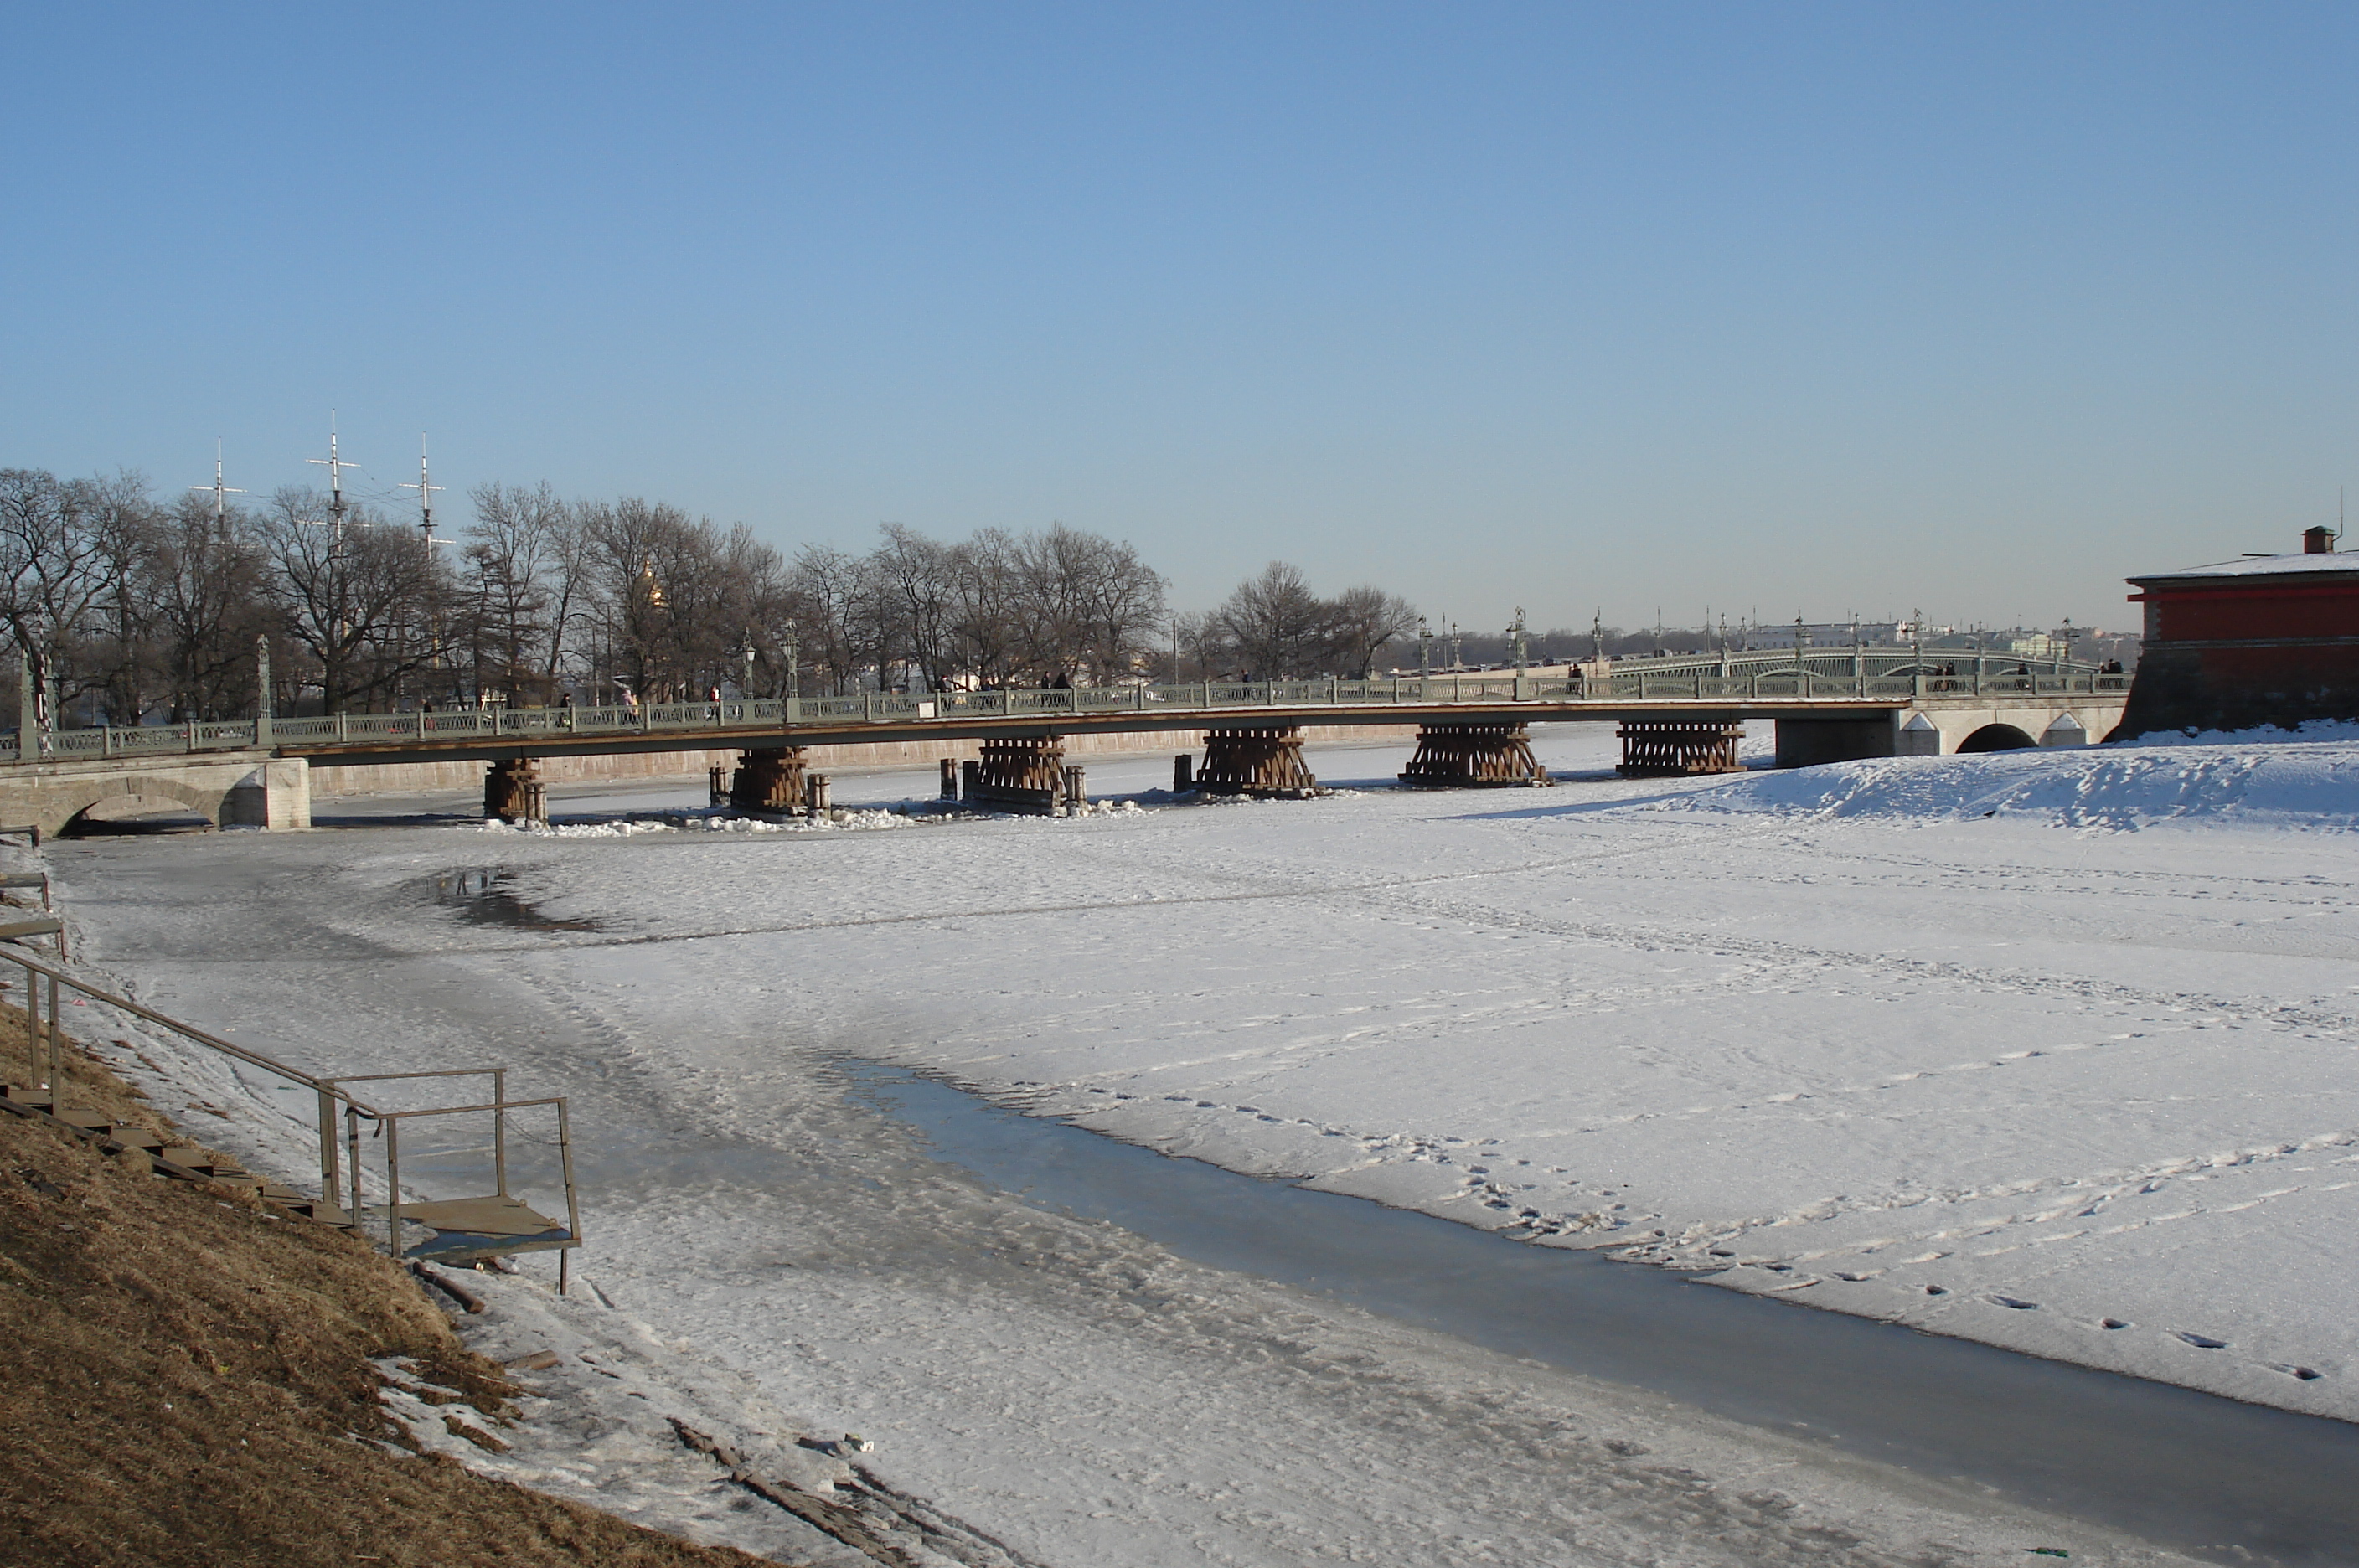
[{"x": 1830, "y": 676}]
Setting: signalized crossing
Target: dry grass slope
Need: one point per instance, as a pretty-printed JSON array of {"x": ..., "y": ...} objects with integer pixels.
[{"x": 184, "y": 1379}]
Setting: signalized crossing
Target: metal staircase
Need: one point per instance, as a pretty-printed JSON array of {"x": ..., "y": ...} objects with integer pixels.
[{"x": 457, "y": 1230}]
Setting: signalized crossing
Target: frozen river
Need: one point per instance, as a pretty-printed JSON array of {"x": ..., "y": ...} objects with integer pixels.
[{"x": 1638, "y": 1026}]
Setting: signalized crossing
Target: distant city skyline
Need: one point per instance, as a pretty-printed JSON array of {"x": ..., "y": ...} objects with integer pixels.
[{"x": 1823, "y": 310}]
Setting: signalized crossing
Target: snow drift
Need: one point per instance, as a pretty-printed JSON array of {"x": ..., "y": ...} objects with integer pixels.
[{"x": 2311, "y": 786}]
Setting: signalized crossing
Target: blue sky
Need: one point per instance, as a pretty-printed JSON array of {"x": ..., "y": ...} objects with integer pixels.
[{"x": 1808, "y": 308}]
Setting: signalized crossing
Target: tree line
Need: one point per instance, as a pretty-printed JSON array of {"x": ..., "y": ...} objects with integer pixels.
[{"x": 125, "y": 610}]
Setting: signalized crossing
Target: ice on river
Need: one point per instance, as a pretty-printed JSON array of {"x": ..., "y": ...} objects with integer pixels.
[
  {"x": 2049, "y": 1050},
  {"x": 2016, "y": 1048}
]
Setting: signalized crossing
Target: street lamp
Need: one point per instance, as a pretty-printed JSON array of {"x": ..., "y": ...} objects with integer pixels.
[{"x": 745, "y": 652}]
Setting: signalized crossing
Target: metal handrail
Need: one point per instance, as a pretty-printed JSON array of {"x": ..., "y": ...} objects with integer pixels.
[
  {"x": 336, "y": 1100},
  {"x": 500, "y": 1106}
]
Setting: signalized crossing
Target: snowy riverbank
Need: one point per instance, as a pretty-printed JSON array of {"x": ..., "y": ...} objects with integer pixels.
[{"x": 1858, "y": 1051}]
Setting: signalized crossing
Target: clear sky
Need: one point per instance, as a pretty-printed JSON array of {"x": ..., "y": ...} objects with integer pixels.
[{"x": 1797, "y": 307}]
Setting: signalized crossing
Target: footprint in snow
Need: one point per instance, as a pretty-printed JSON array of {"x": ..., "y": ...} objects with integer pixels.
[
  {"x": 2205, "y": 1341},
  {"x": 2019, "y": 1305},
  {"x": 2307, "y": 1374},
  {"x": 2112, "y": 1322}
]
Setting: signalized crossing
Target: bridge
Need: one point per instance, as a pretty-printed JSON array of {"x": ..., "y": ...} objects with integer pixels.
[{"x": 1677, "y": 715}]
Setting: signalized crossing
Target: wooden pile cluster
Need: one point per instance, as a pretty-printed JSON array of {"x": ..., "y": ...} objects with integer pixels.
[
  {"x": 1025, "y": 773},
  {"x": 1452, "y": 756},
  {"x": 1666, "y": 748},
  {"x": 770, "y": 780},
  {"x": 513, "y": 790},
  {"x": 1265, "y": 760}
]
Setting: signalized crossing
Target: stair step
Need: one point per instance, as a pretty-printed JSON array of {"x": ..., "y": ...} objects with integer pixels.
[{"x": 321, "y": 1213}]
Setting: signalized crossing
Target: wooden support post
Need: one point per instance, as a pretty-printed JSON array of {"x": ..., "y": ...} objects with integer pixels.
[
  {"x": 716, "y": 785},
  {"x": 1265, "y": 759},
  {"x": 769, "y": 779},
  {"x": 1020, "y": 773},
  {"x": 1668, "y": 749},
  {"x": 505, "y": 792},
  {"x": 950, "y": 778},
  {"x": 1464, "y": 756},
  {"x": 1183, "y": 773}
]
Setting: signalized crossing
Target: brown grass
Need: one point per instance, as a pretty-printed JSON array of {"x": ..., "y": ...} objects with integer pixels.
[{"x": 184, "y": 1379}]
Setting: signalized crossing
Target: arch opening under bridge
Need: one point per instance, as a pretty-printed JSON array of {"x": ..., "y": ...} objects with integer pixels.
[{"x": 1998, "y": 737}]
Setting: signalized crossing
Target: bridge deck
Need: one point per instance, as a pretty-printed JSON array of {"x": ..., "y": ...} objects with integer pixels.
[{"x": 496, "y": 732}]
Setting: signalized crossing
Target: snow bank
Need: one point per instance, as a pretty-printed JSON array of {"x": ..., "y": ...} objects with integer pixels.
[
  {"x": 2311, "y": 786},
  {"x": 907, "y": 815}
]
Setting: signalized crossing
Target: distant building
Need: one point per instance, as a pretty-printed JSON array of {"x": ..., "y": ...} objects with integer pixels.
[
  {"x": 1833, "y": 634},
  {"x": 2270, "y": 639}
]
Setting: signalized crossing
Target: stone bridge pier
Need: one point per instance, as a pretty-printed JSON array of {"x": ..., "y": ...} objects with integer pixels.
[
  {"x": 230, "y": 789},
  {"x": 1944, "y": 726}
]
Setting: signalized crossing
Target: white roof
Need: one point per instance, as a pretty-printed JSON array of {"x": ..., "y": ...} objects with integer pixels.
[{"x": 2265, "y": 566}]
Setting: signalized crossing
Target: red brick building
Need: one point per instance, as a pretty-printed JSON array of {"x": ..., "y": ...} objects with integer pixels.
[{"x": 2270, "y": 639}]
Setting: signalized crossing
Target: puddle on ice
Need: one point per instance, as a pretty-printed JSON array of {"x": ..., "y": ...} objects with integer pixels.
[
  {"x": 2184, "y": 1469},
  {"x": 482, "y": 898}
]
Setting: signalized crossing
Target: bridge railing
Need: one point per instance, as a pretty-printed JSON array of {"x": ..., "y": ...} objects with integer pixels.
[{"x": 1819, "y": 677}]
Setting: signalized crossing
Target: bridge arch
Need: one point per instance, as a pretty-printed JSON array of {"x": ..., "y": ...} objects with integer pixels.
[
  {"x": 1998, "y": 737},
  {"x": 162, "y": 791}
]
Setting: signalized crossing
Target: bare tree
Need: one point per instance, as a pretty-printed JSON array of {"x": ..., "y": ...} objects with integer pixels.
[
  {"x": 357, "y": 597},
  {"x": 1275, "y": 626},
  {"x": 985, "y": 572},
  {"x": 59, "y": 545},
  {"x": 203, "y": 589},
  {"x": 677, "y": 596},
  {"x": 913, "y": 581},
  {"x": 527, "y": 566},
  {"x": 1364, "y": 620},
  {"x": 829, "y": 592}
]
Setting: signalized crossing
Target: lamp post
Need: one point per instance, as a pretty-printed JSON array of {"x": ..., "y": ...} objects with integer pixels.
[
  {"x": 1424, "y": 648},
  {"x": 746, "y": 683},
  {"x": 261, "y": 690},
  {"x": 792, "y": 708}
]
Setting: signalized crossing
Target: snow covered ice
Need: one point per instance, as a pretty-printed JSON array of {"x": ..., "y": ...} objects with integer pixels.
[{"x": 2049, "y": 1050}]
